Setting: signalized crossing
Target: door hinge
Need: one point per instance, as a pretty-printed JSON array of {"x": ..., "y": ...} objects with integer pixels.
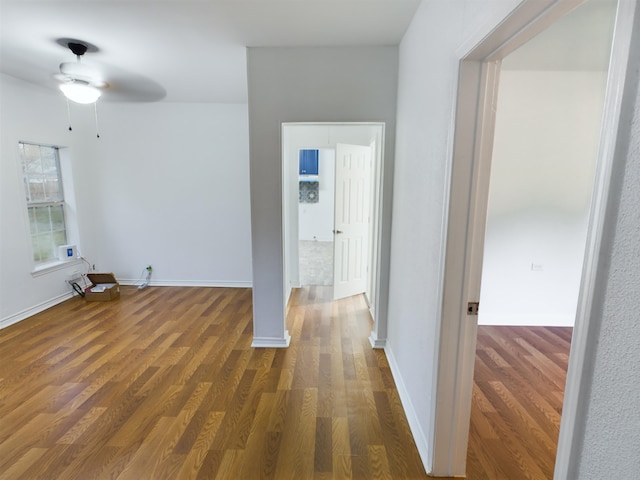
[{"x": 472, "y": 308}]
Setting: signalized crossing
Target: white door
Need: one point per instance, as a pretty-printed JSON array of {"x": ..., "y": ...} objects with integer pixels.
[{"x": 351, "y": 220}]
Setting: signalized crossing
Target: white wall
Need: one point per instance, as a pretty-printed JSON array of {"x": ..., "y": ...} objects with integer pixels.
[
  {"x": 427, "y": 80},
  {"x": 429, "y": 55},
  {"x": 32, "y": 114},
  {"x": 545, "y": 148},
  {"x": 345, "y": 84},
  {"x": 166, "y": 184},
  {"x": 315, "y": 220},
  {"x": 609, "y": 437},
  {"x": 176, "y": 184}
]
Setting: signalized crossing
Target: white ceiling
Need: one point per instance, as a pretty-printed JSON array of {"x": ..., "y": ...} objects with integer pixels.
[
  {"x": 183, "y": 51},
  {"x": 195, "y": 51}
]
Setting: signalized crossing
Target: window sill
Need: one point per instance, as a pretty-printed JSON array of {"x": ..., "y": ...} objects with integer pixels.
[{"x": 54, "y": 266}]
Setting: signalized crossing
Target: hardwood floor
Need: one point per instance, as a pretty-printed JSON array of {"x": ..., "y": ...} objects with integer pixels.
[
  {"x": 520, "y": 375},
  {"x": 163, "y": 383}
]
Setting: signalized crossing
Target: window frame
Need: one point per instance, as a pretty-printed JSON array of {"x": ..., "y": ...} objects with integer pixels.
[{"x": 51, "y": 262}]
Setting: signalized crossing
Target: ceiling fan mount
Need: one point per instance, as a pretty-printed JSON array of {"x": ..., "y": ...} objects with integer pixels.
[{"x": 78, "y": 49}]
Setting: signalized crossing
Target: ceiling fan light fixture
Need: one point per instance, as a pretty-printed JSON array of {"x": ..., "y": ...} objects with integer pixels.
[{"x": 80, "y": 92}]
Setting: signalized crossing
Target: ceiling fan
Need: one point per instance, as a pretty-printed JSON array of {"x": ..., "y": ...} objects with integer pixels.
[
  {"x": 80, "y": 82},
  {"x": 90, "y": 80},
  {"x": 84, "y": 83}
]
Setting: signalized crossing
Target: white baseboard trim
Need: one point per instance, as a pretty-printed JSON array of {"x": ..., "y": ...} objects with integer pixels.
[
  {"x": 526, "y": 320},
  {"x": 272, "y": 342},
  {"x": 186, "y": 283},
  {"x": 17, "y": 317},
  {"x": 376, "y": 342},
  {"x": 416, "y": 430}
]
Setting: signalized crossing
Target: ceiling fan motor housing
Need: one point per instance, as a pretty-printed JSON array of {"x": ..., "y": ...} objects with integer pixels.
[{"x": 78, "y": 71}]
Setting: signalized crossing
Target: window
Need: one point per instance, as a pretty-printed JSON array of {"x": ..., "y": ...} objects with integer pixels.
[{"x": 45, "y": 200}]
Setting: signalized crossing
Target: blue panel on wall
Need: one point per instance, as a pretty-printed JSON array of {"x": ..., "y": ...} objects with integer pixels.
[{"x": 308, "y": 162}]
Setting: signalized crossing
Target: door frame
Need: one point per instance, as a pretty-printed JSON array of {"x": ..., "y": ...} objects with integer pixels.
[
  {"x": 373, "y": 297},
  {"x": 471, "y": 151}
]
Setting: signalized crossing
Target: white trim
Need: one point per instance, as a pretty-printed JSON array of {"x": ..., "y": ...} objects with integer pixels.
[
  {"x": 380, "y": 307},
  {"x": 469, "y": 195},
  {"x": 54, "y": 266},
  {"x": 377, "y": 342},
  {"x": 419, "y": 437},
  {"x": 272, "y": 342},
  {"x": 380, "y": 321},
  {"x": 576, "y": 391},
  {"x": 29, "y": 312},
  {"x": 428, "y": 458},
  {"x": 519, "y": 26},
  {"x": 187, "y": 283}
]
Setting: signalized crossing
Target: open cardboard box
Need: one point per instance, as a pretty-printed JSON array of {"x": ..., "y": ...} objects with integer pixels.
[{"x": 104, "y": 288}]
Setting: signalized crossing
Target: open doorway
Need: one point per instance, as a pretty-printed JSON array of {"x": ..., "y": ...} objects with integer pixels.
[
  {"x": 547, "y": 132},
  {"x": 335, "y": 198},
  {"x": 548, "y": 119},
  {"x": 316, "y": 200},
  {"x": 309, "y": 201},
  {"x": 475, "y": 122}
]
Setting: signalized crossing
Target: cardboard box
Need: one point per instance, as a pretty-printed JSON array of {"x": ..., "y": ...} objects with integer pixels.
[{"x": 104, "y": 288}]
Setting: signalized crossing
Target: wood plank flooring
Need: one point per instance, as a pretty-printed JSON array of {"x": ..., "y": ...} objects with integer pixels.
[
  {"x": 163, "y": 383},
  {"x": 519, "y": 382}
]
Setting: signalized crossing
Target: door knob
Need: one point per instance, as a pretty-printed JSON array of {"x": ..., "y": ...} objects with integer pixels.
[{"x": 337, "y": 231}]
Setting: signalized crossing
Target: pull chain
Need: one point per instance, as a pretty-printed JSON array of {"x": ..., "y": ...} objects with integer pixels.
[
  {"x": 95, "y": 109},
  {"x": 95, "y": 112},
  {"x": 69, "y": 114}
]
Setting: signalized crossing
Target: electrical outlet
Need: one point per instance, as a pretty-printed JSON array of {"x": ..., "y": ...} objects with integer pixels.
[{"x": 536, "y": 267}]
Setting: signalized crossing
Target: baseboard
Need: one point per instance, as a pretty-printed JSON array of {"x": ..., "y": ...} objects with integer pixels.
[
  {"x": 186, "y": 283},
  {"x": 526, "y": 320},
  {"x": 17, "y": 317},
  {"x": 416, "y": 430},
  {"x": 272, "y": 342},
  {"x": 376, "y": 342}
]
